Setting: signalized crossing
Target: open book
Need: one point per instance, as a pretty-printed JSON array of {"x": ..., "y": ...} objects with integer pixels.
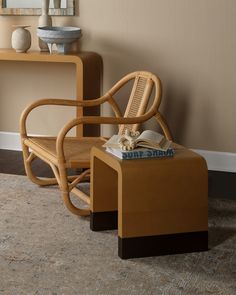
[{"x": 148, "y": 138}]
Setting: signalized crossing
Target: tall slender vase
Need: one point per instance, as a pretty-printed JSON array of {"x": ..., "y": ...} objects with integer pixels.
[
  {"x": 57, "y": 4},
  {"x": 44, "y": 20}
]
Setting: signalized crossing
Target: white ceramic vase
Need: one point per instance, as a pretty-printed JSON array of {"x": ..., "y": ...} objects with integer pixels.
[
  {"x": 44, "y": 21},
  {"x": 21, "y": 39}
]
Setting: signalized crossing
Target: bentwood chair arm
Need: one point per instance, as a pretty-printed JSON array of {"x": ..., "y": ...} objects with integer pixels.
[
  {"x": 97, "y": 120},
  {"x": 65, "y": 102}
]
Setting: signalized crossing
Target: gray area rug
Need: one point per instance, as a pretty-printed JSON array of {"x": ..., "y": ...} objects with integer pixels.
[{"x": 46, "y": 250}]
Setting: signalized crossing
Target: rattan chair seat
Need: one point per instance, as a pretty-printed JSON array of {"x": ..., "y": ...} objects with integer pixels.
[{"x": 77, "y": 150}]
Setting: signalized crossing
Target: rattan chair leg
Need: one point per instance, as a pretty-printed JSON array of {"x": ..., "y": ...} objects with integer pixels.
[
  {"x": 28, "y": 158},
  {"x": 65, "y": 189},
  {"x": 70, "y": 206}
]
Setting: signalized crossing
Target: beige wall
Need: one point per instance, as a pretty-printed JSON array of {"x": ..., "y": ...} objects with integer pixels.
[{"x": 190, "y": 44}]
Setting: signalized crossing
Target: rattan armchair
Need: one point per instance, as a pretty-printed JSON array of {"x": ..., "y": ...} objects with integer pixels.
[{"x": 63, "y": 152}]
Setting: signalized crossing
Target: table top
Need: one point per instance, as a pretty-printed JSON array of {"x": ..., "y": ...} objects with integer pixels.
[
  {"x": 182, "y": 154},
  {"x": 34, "y": 55}
]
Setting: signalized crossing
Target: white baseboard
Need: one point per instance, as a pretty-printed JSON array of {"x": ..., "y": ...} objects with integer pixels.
[
  {"x": 216, "y": 161},
  {"x": 10, "y": 141},
  {"x": 219, "y": 161}
]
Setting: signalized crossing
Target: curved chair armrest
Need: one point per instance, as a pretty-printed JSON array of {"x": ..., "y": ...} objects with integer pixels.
[
  {"x": 95, "y": 120},
  {"x": 58, "y": 102}
]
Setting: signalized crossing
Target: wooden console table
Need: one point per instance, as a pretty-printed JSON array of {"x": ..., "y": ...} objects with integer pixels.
[
  {"x": 160, "y": 205},
  {"x": 88, "y": 76}
]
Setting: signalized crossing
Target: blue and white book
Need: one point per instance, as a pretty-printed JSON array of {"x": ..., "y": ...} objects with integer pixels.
[{"x": 140, "y": 153}]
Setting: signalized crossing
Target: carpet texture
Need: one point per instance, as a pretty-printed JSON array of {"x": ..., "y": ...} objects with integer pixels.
[{"x": 46, "y": 250}]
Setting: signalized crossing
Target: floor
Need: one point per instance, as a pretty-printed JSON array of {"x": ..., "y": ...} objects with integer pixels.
[
  {"x": 68, "y": 258},
  {"x": 11, "y": 162},
  {"x": 221, "y": 184},
  {"x": 46, "y": 250}
]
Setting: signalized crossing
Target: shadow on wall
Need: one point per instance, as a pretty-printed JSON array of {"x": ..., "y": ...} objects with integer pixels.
[
  {"x": 179, "y": 106},
  {"x": 175, "y": 108},
  {"x": 121, "y": 59}
]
